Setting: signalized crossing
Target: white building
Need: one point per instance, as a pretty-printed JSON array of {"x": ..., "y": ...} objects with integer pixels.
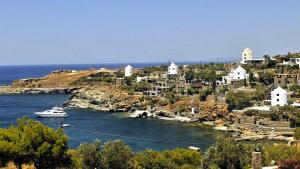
[
  {"x": 139, "y": 79},
  {"x": 172, "y": 69},
  {"x": 279, "y": 97},
  {"x": 246, "y": 55},
  {"x": 295, "y": 61},
  {"x": 236, "y": 74},
  {"x": 128, "y": 71}
]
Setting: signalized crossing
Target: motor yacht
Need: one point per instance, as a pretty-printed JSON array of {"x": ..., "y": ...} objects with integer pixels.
[{"x": 54, "y": 112}]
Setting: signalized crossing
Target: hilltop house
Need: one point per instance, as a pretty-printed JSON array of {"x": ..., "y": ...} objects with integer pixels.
[
  {"x": 172, "y": 69},
  {"x": 128, "y": 71},
  {"x": 246, "y": 55},
  {"x": 279, "y": 97},
  {"x": 295, "y": 61},
  {"x": 238, "y": 74}
]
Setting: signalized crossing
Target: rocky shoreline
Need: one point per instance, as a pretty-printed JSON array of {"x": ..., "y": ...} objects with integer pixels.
[{"x": 21, "y": 90}]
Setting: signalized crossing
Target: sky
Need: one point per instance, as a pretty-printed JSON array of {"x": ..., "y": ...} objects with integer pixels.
[{"x": 125, "y": 31}]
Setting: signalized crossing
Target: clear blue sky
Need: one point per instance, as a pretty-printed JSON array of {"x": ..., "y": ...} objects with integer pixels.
[{"x": 114, "y": 31}]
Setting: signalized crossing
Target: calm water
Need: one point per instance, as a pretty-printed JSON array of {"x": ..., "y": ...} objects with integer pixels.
[{"x": 89, "y": 125}]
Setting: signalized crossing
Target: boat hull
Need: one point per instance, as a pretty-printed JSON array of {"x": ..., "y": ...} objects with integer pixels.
[{"x": 60, "y": 115}]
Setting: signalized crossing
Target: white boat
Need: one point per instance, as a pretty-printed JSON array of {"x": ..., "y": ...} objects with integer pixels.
[
  {"x": 54, "y": 112},
  {"x": 65, "y": 125}
]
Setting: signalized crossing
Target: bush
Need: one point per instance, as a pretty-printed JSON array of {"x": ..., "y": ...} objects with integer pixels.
[
  {"x": 289, "y": 164},
  {"x": 117, "y": 155},
  {"x": 227, "y": 154},
  {"x": 112, "y": 155},
  {"x": 90, "y": 155},
  {"x": 170, "y": 159},
  {"x": 238, "y": 100},
  {"x": 279, "y": 153},
  {"x": 204, "y": 92},
  {"x": 142, "y": 86},
  {"x": 297, "y": 133}
]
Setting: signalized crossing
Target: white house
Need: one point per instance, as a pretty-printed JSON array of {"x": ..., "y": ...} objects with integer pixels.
[
  {"x": 172, "y": 69},
  {"x": 128, "y": 70},
  {"x": 279, "y": 97},
  {"x": 295, "y": 61},
  {"x": 238, "y": 73},
  {"x": 246, "y": 55},
  {"x": 139, "y": 79}
]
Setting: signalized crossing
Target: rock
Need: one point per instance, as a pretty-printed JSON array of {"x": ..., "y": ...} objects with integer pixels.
[
  {"x": 14, "y": 90},
  {"x": 104, "y": 98}
]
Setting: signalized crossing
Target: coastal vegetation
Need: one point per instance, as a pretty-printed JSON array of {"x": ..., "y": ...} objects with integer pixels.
[{"x": 34, "y": 144}]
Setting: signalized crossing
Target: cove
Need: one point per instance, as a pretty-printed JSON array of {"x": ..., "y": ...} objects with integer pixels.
[{"x": 88, "y": 125}]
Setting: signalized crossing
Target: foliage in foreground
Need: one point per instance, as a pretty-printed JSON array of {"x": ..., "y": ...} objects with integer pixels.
[{"x": 31, "y": 142}]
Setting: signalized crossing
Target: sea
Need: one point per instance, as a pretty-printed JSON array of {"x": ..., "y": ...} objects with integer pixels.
[{"x": 88, "y": 125}]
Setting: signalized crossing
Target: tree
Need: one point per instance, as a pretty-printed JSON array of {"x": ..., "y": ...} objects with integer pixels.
[
  {"x": 238, "y": 100},
  {"x": 266, "y": 77},
  {"x": 117, "y": 155},
  {"x": 31, "y": 141},
  {"x": 204, "y": 92},
  {"x": 227, "y": 154},
  {"x": 90, "y": 155},
  {"x": 260, "y": 93},
  {"x": 251, "y": 78},
  {"x": 142, "y": 86},
  {"x": 190, "y": 75},
  {"x": 296, "y": 89}
]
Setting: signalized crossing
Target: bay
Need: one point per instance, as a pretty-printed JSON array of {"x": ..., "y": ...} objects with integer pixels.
[{"x": 88, "y": 125}]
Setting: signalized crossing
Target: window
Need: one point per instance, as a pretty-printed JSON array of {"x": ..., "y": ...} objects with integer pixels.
[
  {"x": 245, "y": 54},
  {"x": 238, "y": 77},
  {"x": 277, "y": 94},
  {"x": 238, "y": 73},
  {"x": 277, "y": 100}
]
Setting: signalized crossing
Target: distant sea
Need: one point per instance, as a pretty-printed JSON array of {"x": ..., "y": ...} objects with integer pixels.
[{"x": 10, "y": 73}]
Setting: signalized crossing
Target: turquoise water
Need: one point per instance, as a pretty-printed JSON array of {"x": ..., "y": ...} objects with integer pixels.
[{"x": 87, "y": 125}]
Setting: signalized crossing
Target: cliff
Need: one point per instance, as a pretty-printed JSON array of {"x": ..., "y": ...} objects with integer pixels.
[{"x": 104, "y": 98}]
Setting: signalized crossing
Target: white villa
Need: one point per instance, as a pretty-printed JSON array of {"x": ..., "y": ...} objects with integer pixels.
[
  {"x": 279, "y": 97},
  {"x": 139, "y": 79},
  {"x": 172, "y": 69},
  {"x": 128, "y": 71},
  {"x": 295, "y": 61},
  {"x": 247, "y": 55},
  {"x": 236, "y": 74}
]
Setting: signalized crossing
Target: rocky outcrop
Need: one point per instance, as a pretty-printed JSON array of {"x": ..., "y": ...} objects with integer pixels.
[
  {"x": 14, "y": 90},
  {"x": 104, "y": 98}
]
